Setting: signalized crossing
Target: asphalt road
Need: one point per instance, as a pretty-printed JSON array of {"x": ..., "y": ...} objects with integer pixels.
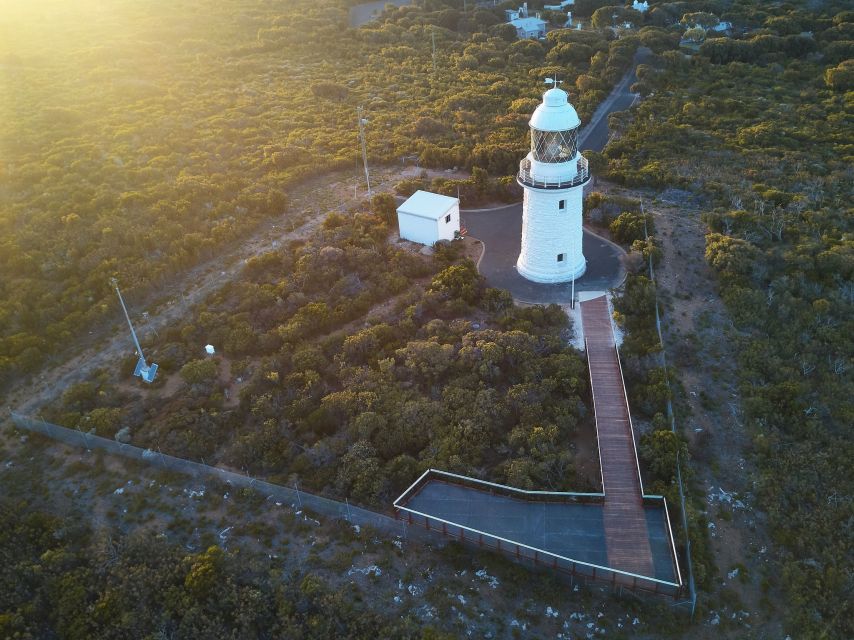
[
  {"x": 500, "y": 230},
  {"x": 595, "y": 135},
  {"x": 363, "y": 13}
]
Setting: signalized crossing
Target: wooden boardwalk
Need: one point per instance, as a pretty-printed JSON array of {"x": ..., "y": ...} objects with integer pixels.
[{"x": 626, "y": 534}]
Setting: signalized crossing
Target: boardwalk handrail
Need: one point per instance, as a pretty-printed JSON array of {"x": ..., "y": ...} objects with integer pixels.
[
  {"x": 503, "y": 488},
  {"x": 595, "y": 417},
  {"x": 629, "y": 413}
]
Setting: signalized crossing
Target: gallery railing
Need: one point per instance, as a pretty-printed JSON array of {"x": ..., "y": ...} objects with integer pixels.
[{"x": 581, "y": 176}]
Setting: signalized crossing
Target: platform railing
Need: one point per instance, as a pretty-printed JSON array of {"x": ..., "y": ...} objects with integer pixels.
[
  {"x": 527, "y": 179},
  {"x": 521, "y": 551}
]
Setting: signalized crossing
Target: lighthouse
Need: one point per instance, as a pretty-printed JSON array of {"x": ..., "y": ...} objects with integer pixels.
[{"x": 553, "y": 176}]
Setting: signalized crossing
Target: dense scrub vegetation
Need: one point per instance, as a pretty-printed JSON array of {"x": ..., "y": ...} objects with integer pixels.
[
  {"x": 142, "y": 139},
  {"x": 445, "y": 373},
  {"x": 761, "y": 126},
  {"x": 61, "y": 580}
]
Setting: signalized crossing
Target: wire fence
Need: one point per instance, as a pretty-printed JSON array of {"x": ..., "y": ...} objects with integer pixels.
[
  {"x": 401, "y": 525},
  {"x": 290, "y": 495},
  {"x": 692, "y": 590}
]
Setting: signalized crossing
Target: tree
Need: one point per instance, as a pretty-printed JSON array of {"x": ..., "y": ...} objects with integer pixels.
[
  {"x": 659, "y": 449},
  {"x": 330, "y": 91},
  {"x": 695, "y": 34},
  {"x": 205, "y": 575},
  {"x": 630, "y": 226},
  {"x": 428, "y": 360},
  {"x": 359, "y": 473},
  {"x": 700, "y": 19},
  {"x": 105, "y": 421},
  {"x": 460, "y": 281},
  {"x": 198, "y": 372},
  {"x": 840, "y": 77},
  {"x": 384, "y": 206},
  {"x": 605, "y": 17},
  {"x": 733, "y": 258}
]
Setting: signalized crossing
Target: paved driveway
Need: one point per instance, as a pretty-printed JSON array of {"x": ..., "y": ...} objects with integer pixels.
[{"x": 501, "y": 231}]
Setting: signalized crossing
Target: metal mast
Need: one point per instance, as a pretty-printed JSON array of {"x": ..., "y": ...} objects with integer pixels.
[
  {"x": 362, "y": 122},
  {"x": 143, "y": 369}
]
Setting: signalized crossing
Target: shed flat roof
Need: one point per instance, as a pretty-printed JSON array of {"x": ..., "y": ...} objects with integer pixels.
[{"x": 426, "y": 204}]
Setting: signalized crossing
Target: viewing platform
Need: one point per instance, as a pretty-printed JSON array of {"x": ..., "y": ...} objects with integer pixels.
[
  {"x": 581, "y": 176},
  {"x": 621, "y": 536}
]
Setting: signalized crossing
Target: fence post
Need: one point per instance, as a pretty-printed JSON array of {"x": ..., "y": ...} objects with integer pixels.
[{"x": 85, "y": 439}]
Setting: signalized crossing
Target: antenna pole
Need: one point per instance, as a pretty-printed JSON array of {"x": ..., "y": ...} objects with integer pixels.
[
  {"x": 433, "y": 33},
  {"x": 364, "y": 148},
  {"x": 572, "y": 306},
  {"x": 127, "y": 317}
]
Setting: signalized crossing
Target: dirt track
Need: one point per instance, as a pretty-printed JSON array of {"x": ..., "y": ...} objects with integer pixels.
[{"x": 106, "y": 346}]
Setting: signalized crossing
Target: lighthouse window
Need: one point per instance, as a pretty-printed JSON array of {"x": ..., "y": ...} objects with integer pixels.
[
  {"x": 560, "y": 257},
  {"x": 554, "y": 146},
  {"x": 561, "y": 205},
  {"x": 448, "y": 218}
]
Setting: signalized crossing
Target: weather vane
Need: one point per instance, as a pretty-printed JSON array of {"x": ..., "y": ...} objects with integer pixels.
[{"x": 555, "y": 82}]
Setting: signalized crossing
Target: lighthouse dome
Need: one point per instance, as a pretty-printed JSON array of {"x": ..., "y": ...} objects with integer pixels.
[{"x": 555, "y": 113}]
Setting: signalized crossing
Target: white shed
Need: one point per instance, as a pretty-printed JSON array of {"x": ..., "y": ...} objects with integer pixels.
[{"x": 428, "y": 217}]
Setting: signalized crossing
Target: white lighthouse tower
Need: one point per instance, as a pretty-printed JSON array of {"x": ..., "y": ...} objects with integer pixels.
[{"x": 553, "y": 176}]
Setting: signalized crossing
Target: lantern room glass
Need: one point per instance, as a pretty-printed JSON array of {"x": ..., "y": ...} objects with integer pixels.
[{"x": 554, "y": 146}]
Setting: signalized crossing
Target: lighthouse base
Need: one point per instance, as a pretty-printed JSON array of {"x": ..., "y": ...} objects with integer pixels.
[{"x": 552, "y": 276}]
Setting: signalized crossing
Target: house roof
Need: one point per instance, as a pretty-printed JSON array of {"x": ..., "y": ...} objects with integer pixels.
[
  {"x": 529, "y": 24},
  {"x": 425, "y": 204}
]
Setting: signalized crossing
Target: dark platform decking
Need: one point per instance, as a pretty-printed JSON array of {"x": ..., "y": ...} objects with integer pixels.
[{"x": 572, "y": 530}]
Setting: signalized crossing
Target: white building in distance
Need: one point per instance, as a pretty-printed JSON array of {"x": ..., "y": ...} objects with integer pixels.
[
  {"x": 428, "y": 217},
  {"x": 529, "y": 28},
  {"x": 559, "y": 7},
  {"x": 526, "y": 27},
  {"x": 553, "y": 176}
]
